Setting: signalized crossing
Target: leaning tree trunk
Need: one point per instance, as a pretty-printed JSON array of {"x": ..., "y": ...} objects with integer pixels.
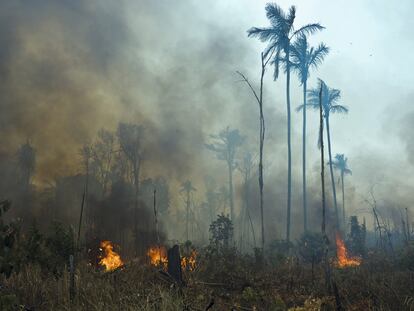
[
  {"x": 331, "y": 171},
  {"x": 261, "y": 146},
  {"x": 305, "y": 215},
  {"x": 231, "y": 191},
  {"x": 343, "y": 201},
  {"x": 325, "y": 237},
  {"x": 289, "y": 148}
]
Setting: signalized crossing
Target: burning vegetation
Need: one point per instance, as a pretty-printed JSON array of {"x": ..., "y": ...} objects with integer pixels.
[
  {"x": 343, "y": 260},
  {"x": 158, "y": 257},
  {"x": 110, "y": 259}
]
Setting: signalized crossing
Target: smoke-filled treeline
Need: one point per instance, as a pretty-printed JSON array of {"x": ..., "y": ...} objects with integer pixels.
[{"x": 102, "y": 102}]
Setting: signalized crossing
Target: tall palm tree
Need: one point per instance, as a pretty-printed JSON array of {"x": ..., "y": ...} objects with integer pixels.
[
  {"x": 305, "y": 58},
  {"x": 341, "y": 164},
  {"x": 330, "y": 98},
  {"x": 280, "y": 35}
]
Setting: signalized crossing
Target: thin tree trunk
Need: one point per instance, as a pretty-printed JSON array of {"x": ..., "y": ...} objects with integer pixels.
[
  {"x": 289, "y": 148},
  {"x": 408, "y": 224},
  {"x": 261, "y": 147},
  {"x": 84, "y": 202},
  {"x": 325, "y": 237},
  {"x": 187, "y": 215},
  {"x": 343, "y": 201},
  {"x": 231, "y": 191},
  {"x": 321, "y": 145},
  {"x": 331, "y": 171},
  {"x": 136, "y": 168},
  {"x": 305, "y": 216}
]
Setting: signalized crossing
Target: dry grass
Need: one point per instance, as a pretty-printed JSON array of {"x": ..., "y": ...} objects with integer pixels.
[{"x": 373, "y": 286}]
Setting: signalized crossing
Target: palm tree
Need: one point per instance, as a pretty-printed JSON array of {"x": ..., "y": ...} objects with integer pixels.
[
  {"x": 187, "y": 188},
  {"x": 226, "y": 145},
  {"x": 330, "y": 98},
  {"x": 341, "y": 164},
  {"x": 304, "y": 58},
  {"x": 280, "y": 35}
]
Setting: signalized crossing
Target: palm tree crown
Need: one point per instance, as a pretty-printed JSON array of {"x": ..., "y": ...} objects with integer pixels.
[
  {"x": 341, "y": 163},
  {"x": 330, "y": 98},
  {"x": 304, "y": 57},
  {"x": 281, "y": 32}
]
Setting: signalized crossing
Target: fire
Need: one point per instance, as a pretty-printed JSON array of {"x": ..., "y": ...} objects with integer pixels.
[
  {"x": 189, "y": 262},
  {"x": 341, "y": 253},
  {"x": 158, "y": 257},
  {"x": 111, "y": 260}
]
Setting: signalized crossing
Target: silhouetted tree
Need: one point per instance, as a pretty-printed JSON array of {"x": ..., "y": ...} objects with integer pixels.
[
  {"x": 26, "y": 161},
  {"x": 280, "y": 35},
  {"x": 341, "y": 164},
  {"x": 212, "y": 197},
  {"x": 225, "y": 145},
  {"x": 305, "y": 58},
  {"x": 330, "y": 98},
  {"x": 187, "y": 188},
  {"x": 245, "y": 169},
  {"x": 102, "y": 155},
  {"x": 259, "y": 99},
  {"x": 130, "y": 138}
]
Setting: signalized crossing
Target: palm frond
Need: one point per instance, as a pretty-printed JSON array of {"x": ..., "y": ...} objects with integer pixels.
[
  {"x": 275, "y": 15},
  {"x": 334, "y": 95},
  {"x": 290, "y": 18},
  {"x": 317, "y": 55},
  {"x": 308, "y": 106},
  {"x": 338, "y": 109},
  {"x": 264, "y": 34},
  {"x": 308, "y": 29}
]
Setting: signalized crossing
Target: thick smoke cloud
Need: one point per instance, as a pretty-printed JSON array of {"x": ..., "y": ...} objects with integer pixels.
[{"x": 69, "y": 68}]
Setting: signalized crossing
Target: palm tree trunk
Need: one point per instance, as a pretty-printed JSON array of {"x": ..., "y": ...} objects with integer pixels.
[
  {"x": 322, "y": 164},
  {"x": 305, "y": 216},
  {"x": 231, "y": 192},
  {"x": 331, "y": 171},
  {"x": 343, "y": 201},
  {"x": 289, "y": 147},
  {"x": 261, "y": 145}
]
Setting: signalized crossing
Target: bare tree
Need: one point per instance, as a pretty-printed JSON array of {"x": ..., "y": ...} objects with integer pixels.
[{"x": 262, "y": 130}]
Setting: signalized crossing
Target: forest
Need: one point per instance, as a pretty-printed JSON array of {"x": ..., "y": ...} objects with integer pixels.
[{"x": 154, "y": 159}]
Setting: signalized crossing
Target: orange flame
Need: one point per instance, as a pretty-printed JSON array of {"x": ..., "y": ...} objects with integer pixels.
[
  {"x": 111, "y": 260},
  {"x": 341, "y": 253},
  {"x": 189, "y": 262},
  {"x": 158, "y": 258}
]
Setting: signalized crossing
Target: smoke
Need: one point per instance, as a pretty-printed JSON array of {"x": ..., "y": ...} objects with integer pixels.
[{"x": 70, "y": 68}]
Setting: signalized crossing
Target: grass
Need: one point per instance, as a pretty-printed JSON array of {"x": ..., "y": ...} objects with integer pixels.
[{"x": 376, "y": 285}]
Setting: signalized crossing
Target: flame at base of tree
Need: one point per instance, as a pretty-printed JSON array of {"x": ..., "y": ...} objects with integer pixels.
[
  {"x": 158, "y": 257},
  {"x": 341, "y": 253},
  {"x": 111, "y": 259}
]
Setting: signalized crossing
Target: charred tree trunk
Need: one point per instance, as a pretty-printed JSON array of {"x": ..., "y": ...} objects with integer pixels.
[{"x": 174, "y": 264}]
